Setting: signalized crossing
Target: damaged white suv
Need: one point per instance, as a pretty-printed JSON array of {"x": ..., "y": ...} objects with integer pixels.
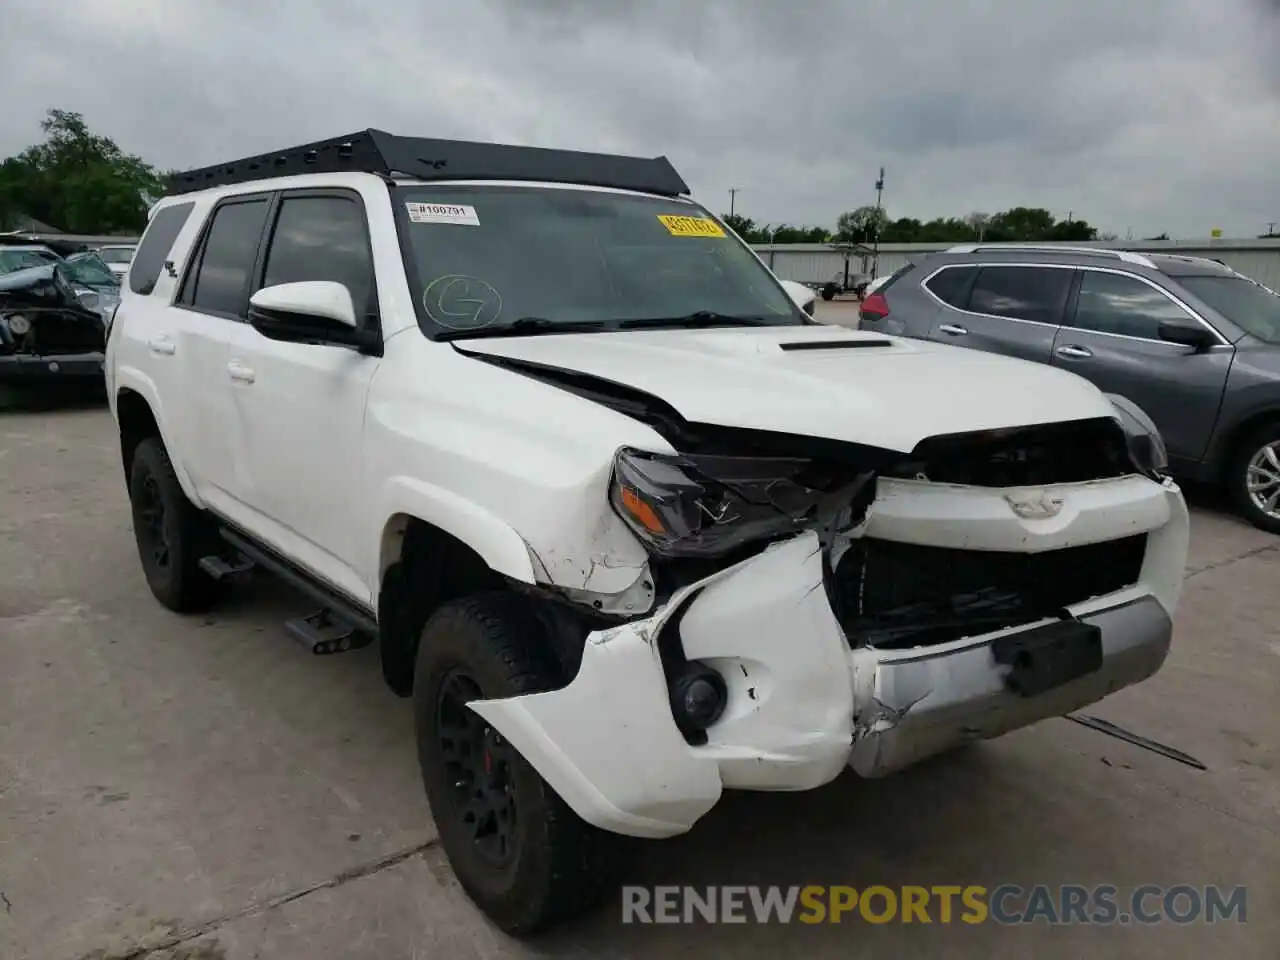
[{"x": 629, "y": 527}]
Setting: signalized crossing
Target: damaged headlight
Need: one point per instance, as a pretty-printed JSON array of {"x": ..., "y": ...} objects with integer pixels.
[
  {"x": 1146, "y": 446},
  {"x": 706, "y": 506}
]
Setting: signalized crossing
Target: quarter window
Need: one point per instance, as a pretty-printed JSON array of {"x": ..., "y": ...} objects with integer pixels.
[
  {"x": 1021, "y": 293},
  {"x": 157, "y": 241},
  {"x": 323, "y": 238},
  {"x": 1114, "y": 303},
  {"x": 221, "y": 281},
  {"x": 950, "y": 284}
]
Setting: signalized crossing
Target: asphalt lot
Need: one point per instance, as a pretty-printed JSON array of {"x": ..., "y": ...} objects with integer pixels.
[{"x": 204, "y": 788}]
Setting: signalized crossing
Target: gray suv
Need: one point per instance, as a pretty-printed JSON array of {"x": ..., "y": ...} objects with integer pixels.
[{"x": 1193, "y": 343}]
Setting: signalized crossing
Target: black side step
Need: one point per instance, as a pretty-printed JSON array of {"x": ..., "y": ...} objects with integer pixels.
[
  {"x": 229, "y": 569},
  {"x": 324, "y": 632},
  {"x": 338, "y": 613}
]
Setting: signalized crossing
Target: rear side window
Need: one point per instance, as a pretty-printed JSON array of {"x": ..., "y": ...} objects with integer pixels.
[
  {"x": 157, "y": 241},
  {"x": 896, "y": 276},
  {"x": 220, "y": 281},
  {"x": 1114, "y": 303},
  {"x": 1021, "y": 293},
  {"x": 323, "y": 238},
  {"x": 951, "y": 284}
]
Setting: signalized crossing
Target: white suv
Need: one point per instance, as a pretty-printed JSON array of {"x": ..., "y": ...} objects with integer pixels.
[{"x": 626, "y": 524}]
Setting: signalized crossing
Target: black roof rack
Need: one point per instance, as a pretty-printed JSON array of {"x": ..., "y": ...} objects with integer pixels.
[{"x": 387, "y": 155}]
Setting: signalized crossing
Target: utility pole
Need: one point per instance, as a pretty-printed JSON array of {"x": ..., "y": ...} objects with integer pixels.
[
  {"x": 1271, "y": 228},
  {"x": 875, "y": 260},
  {"x": 733, "y": 195}
]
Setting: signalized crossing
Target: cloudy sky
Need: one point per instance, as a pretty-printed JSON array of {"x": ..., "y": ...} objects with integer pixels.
[{"x": 1135, "y": 114}]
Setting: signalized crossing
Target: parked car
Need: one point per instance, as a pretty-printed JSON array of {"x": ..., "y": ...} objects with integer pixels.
[
  {"x": 21, "y": 256},
  {"x": 95, "y": 285},
  {"x": 117, "y": 257},
  {"x": 1190, "y": 341},
  {"x": 625, "y": 544},
  {"x": 47, "y": 332}
]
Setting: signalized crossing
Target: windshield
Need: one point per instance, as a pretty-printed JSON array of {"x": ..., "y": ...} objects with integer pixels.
[
  {"x": 116, "y": 254},
  {"x": 1252, "y": 308},
  {"x": 11, "y": 260},
  {"x": 489, "y": 256},
  {"x": 90, "y": 270}
]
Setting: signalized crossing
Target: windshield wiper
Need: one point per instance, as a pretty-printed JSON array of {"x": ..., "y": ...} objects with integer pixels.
[
  {"x": 524, "y": 327},
  {"x": 699, "y": 318}
]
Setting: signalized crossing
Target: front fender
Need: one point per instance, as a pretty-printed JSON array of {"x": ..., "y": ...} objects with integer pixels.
[{"x": 498, "y": 544}]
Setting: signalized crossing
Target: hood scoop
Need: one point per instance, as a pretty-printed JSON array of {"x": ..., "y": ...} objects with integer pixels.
[{"x": 834, "y": 344}]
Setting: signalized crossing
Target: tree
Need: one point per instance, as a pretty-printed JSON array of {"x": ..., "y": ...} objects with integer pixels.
[
  {"x": 78, "y": 181},
  {"x": 861, "y": 225},
  {"x": 978, "y": 222},
  {"x": 744, "y": 227},
  {"x": 1158, "y": 236}
]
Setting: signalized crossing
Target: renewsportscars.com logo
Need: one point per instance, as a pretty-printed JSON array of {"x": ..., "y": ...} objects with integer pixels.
[{"x": 1006, "y": 904}]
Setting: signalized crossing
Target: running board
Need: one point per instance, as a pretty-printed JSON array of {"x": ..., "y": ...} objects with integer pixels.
[
  {"x": 227, "y": 569},
  {"x": 324, "y": 633},
  {"x": 341, "y": 623}
]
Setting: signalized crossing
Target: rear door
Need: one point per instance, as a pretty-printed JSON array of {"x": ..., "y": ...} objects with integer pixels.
[
  {"x": 1111, "y": 337},
  {"x": 1010, "y": 309}
]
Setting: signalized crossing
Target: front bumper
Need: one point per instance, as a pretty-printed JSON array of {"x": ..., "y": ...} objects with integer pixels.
[
  {"x": 29, "y": 367},
  {"x": 802, "y": 703}
]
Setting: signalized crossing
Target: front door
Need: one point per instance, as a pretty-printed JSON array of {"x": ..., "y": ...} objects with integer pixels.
[
  {"x": 1112, "y": 338},
  {"x": 1009, "y": 309},
  {"x": 299, "y": 408}
]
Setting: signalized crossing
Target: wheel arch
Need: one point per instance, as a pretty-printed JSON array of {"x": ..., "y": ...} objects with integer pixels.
[{"x": 140, "y": 414}]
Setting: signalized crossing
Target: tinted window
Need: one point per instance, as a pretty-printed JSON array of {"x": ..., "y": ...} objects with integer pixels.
[
  {"x": 157, "y": 241},
  {"x": 1112, "y": 303},
  {"x": 897, "y": 275},
  {"x": 1023, "y": 293},
  {"x": 221, "y": 280},
  {"x": 1252, "y": 308},
  {"x": 322, "y": 238},
  {"x": 949, "y": 285}
]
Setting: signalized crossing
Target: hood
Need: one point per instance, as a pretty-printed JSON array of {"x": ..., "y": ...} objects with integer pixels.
[
  {"x": 817, "y": 381},
  {"x": 42, "y": 288}
]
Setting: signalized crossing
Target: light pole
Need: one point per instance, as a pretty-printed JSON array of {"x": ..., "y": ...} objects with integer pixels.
[
  {"x": 875, "y": 259},
  {"x": 733, "y": 195}
]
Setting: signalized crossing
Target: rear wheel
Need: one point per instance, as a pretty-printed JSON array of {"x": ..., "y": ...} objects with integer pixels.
[
  {"x": 172, "y": 535},
  {"x": 1254, "y": 477},
  {"x": 519, "y": 852}
]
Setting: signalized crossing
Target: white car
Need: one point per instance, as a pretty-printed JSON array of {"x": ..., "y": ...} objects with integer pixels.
[
  {"x": 117, "y": 257},
  {"x": 625, "y": 523}
]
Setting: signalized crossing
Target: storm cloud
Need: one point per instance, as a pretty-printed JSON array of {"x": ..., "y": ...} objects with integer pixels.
[{"x": 1134, "y": 116}]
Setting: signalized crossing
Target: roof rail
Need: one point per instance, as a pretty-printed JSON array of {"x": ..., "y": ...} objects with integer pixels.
[
  {"x": 387, "y": 155},
  {"x": 1128, "y": 256}
]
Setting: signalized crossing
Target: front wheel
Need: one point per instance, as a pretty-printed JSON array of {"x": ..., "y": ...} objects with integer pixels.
[
  {"x": 519, "y": 852},
  {"x": 1254, "y": 477}
]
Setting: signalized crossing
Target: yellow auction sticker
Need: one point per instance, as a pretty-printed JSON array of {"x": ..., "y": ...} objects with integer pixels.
[{"x": 691, "y": 226}]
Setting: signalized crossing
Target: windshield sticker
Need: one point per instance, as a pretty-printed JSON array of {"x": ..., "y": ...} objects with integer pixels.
[
  {"x": 462, "y": 303},
  {"x": 443, "y": 213},
  {"x": 691, "y": 226}
]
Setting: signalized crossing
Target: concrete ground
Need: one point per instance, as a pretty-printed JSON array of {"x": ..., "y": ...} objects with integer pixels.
[{"x": 203, "y": 788}]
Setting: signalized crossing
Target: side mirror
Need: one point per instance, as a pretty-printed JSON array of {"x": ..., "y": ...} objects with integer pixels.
[
  {"x": 311, "y": 311},
  {"x": 1186, "y": 332},
  {"x": 801, "y": 295}
]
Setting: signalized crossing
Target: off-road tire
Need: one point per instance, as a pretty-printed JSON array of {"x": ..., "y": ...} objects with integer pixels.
[
  {"x": 1237, "y": 473},
  {"x": 561, "y": 866},
  {"x": 188, "y": 534}
]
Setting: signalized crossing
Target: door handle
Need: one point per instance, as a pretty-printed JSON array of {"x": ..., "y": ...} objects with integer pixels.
[
  {"x": 1074, "y": 352},
  {"x": 240, "y": 372},
  {"x": 162, "y": 345},
  {"x": 952, "y": 329}
]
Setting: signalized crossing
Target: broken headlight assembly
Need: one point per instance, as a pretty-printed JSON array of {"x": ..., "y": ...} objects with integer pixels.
[
  {"x": 695, "y": 506},
  {"x": 1146, "y": 446}
]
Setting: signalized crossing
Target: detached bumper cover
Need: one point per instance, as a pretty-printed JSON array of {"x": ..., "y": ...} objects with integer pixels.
[
  {"x": 27, "y": 366},
  {"x": 802, "y": 704}
]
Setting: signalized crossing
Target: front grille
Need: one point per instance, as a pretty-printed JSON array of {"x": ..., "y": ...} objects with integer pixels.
[
  {"x": 1071, "y": 452},
  {"x": 897, "y": 595},
  {"x": 61, "y": 332}
]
